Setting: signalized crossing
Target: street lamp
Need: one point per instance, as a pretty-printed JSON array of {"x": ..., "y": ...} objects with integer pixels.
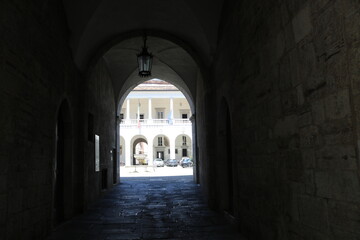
[{"x": 144, "y": 61}]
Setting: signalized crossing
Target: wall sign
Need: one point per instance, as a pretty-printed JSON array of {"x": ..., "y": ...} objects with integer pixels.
[{"x": 97, "y": 153}]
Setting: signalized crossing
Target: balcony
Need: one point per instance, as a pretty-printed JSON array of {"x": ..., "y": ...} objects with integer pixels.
[{"x": 130, "y": 123}]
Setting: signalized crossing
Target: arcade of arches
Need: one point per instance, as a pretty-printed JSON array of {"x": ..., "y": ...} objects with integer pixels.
[{"x": 273, "y": 86}]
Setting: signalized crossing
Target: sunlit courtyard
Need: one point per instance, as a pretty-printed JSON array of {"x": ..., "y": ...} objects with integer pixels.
[{"x": 150, "y": 171}]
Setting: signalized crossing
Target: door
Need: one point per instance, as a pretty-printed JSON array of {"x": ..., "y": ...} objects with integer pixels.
[{"x": 184, "y": 152}]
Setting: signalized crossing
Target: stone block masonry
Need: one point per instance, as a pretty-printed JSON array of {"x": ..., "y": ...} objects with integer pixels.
[
  {"x": 310, "y": 112},
  {"x": 37, "y": 73}
]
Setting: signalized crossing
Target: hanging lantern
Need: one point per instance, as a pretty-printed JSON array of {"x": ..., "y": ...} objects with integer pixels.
[{"x": 144, "y": 61}]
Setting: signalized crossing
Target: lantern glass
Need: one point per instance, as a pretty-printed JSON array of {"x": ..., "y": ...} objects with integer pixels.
[{"x": 145, "y": 63}]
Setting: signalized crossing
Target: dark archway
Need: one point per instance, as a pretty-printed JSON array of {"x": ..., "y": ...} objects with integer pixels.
[
  {"x": 225, "y": 169},
  {"x": 63, "y": 176}
]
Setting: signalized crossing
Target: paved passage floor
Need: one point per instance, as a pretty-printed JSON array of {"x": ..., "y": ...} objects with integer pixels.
[{"x": 149, "y": 208}]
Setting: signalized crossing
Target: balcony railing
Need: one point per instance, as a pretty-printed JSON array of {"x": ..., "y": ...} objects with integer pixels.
[{"x": 153, "y": 122}]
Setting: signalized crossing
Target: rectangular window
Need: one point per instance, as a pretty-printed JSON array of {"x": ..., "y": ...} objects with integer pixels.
[
  {"x": 160, "y": 141},
  {"x": 160, "y": 115},
  {"x": 184, "y": 140},
  {"x": 184, "y": 116},
  {"x": 97, "y": 153},
  {"x": 168, "y": 151},
  {"x": 121, "y": 116},
  {"x": 176, "y": 151}
]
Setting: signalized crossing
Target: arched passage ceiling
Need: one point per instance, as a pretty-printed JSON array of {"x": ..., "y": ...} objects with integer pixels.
[
  {"x": 171, "y": 63},
  {"x": 94, "y": 22}
]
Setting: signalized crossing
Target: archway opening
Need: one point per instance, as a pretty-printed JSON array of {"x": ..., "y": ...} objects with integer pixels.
[
  {"x": 174, "y": 61},
  {"x": 140, "y": 152},
  {"x": 160, "y": 113}
]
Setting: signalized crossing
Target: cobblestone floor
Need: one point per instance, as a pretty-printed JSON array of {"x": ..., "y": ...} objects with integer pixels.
[{"x": 149, "y": 208}]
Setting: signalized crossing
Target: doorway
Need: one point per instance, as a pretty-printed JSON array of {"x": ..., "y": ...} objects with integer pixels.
[
  {"x": 160, "y": 154},
  {"x": 184, "y": 152},
  {"x": 63, "y": 170}
]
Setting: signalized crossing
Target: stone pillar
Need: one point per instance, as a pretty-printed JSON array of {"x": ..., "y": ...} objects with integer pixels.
[
  {"x": 116, "y": 163},
  {"x": 128, "y": 109},
  {"x": 128, "y": 158},
  {"x": 149, "y": 121},
  {"x": 150, "y": 154},
  {"x": 150, "y": 112},
  {"x": 194, "y": 152},
  {"x": 171, "y": 108},
  {"x": 172, "y": 147}
]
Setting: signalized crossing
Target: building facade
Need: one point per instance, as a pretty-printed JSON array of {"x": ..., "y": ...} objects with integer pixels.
[{"x": 155, "y": 123}]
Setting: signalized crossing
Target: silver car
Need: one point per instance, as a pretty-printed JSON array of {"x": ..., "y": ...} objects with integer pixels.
[{"x": 158, "y": 162}]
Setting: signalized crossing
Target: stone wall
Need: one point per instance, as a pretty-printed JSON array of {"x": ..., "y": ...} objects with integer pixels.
[
  {"x": 100, "y": 103},
  {"x": 290, "y": 73},
  {"x": 36, "y": 74}
]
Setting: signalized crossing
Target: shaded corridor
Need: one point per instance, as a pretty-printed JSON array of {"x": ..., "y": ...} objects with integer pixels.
[{"x": 149, "y": 208}]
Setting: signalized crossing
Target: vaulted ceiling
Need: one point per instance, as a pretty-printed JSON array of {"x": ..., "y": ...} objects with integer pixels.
[{"x": 182, "y": 36}]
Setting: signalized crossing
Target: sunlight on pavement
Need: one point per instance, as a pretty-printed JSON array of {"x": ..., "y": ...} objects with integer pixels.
[{"x": 149, "y": 171}]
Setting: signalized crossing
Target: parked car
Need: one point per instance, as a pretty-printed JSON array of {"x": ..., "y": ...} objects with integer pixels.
[
  {"x": 187, "y": 163},
  {"x": 182, "y": 159},
  {"x": 158, "y": 162},
  {"x": 172, "y": 163}
]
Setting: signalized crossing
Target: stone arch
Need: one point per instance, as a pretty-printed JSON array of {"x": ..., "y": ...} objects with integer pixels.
[
  {"x": 125, "y": 82},
  {"x": 134, "y": 141},
  {"x": 109, "y": 43},
  {"x": 63, "y": 177},
  {"x": 132, "y": 82},
  {"x": 164, "y": 67},
  {"x": 161, "y": 147}
]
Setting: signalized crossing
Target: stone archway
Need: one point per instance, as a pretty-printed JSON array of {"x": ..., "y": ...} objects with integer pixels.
[
  {"x": 134, "y": 141},
  {"x": 161, "y": 145}
]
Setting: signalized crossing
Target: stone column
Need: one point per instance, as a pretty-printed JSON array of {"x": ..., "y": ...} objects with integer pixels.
[
  {"x": 116, "y": 163},
  {"x": 150, "y": 154},
  {"x": 171, "y": 108},
  {"x": 172, "y": 147},
  {"x": 194, "y": 150},
  {"x": 149, "y": 121},
  {"x": 128, "y": 158},
  {"x": 150, "y": 112}
]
